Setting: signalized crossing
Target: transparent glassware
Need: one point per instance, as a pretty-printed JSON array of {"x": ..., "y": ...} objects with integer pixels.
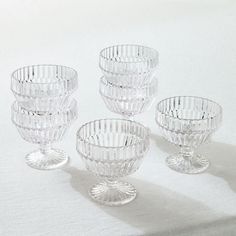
[
  {"x": 43, "y": 87},
  {"x": 44, "y": 128},
  {"x": 112, "y": 149},
  {"x": 128, "y": 65},
  {"x": 187, "y": 122},
  {"x": 128, "y": 101}
]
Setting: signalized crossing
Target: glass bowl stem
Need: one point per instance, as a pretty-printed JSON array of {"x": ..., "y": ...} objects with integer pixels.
[
  {"x": 45, "y": 148},
  {"x": 128, "y": 117},
  {"x": 187, "y": 153}
]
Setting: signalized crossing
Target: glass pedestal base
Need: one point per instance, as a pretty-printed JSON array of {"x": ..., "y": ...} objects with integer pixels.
[
  {"x": 49, "y": 160},
  {"x": 197, "y": 164},
  {"x": 113, "y": 193}
]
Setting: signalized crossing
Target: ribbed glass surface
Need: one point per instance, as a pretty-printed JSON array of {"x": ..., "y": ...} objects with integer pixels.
[
  {"x": 125, "y": 100},
  {"x": 128, "y": 64},
  {"x": 188, "y": 121},
  {"x": 43, "y": 87},
  {"x": 112, "y": 148},
  {"x": 43, "y": 127}
]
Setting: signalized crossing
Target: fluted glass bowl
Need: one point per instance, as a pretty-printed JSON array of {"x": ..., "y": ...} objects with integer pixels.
[
  {"x": 44, "y": 128},
  {"x": 43, "y": 87},
  {"x": 128, "y": 101},
  {"x": 128, "y": 65},
  {"x": 187, "y": 122},
  {"x": 111, "y": 149}
]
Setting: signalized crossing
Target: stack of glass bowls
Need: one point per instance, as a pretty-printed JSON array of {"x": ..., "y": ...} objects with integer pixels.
[
  {"x": 129, "y": 83},
  {"x": 43, "y": 110}
]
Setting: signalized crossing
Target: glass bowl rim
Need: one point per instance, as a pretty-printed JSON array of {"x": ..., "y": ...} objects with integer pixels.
[
  {"x": 74, "y": 76},
  {"x": 156, "y": 53},
  {"x": 78, "y": 136},
  {"x": 219, "y": 113},
  {"x": 70, "y": 107},
  {"x": 105, "y": 82}
]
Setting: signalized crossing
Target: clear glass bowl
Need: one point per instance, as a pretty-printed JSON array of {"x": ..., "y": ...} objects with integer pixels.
[
  {"x": 128, "y": 101},
  {"x": 43, "y": 87},
  {"x": 128, "y": 65},
  {"x": 44, "y": 128},
  {"x": 111, "y": 149},
  {"x": 188, "y": 121}
]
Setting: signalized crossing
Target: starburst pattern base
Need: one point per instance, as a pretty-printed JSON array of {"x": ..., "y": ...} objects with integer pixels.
[
  {"x": 194, "y": 165},
  {"x": 114, "y": 193},
  {"x": 50, "y": 160}
]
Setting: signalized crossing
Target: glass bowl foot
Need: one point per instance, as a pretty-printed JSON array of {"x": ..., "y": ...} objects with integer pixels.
[
  {"x": 50, "y": 160},
  {"x": 197, "y": 164},
  {"x": 115, "y": 194}
]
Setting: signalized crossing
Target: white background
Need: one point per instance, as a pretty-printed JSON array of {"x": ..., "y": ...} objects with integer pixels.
[{"x": 196, "y": 40}]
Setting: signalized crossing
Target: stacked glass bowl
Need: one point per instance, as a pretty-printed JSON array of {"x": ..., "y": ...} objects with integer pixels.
[
  {"x": 43, "y": 110},
  {"x": 129, "y": 83}
]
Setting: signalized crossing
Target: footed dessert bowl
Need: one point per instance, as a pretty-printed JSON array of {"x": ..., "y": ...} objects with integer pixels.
[
  {"x": 112, "y": 149},
  {"x": 187, "y": 122},
  {"x": 44, "y": 128}
]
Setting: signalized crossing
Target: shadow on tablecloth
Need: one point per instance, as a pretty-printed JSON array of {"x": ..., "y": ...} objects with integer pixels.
[
  {"x": 222, "y": 158},
  {"x": 158, "y": 210}
]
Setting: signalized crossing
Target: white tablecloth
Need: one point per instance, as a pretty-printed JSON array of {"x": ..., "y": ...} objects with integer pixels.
[{"x": 196, "y": 40}]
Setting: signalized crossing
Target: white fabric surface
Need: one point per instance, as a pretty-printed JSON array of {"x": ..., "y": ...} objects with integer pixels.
[{"x": 196, "y": 40}]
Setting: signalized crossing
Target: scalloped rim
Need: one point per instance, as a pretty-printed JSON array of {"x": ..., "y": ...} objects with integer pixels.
[
  {"x": 128, "y": 45},
  {"x": 195, "y": 97},
  {"x": 147, "y": 135}
]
